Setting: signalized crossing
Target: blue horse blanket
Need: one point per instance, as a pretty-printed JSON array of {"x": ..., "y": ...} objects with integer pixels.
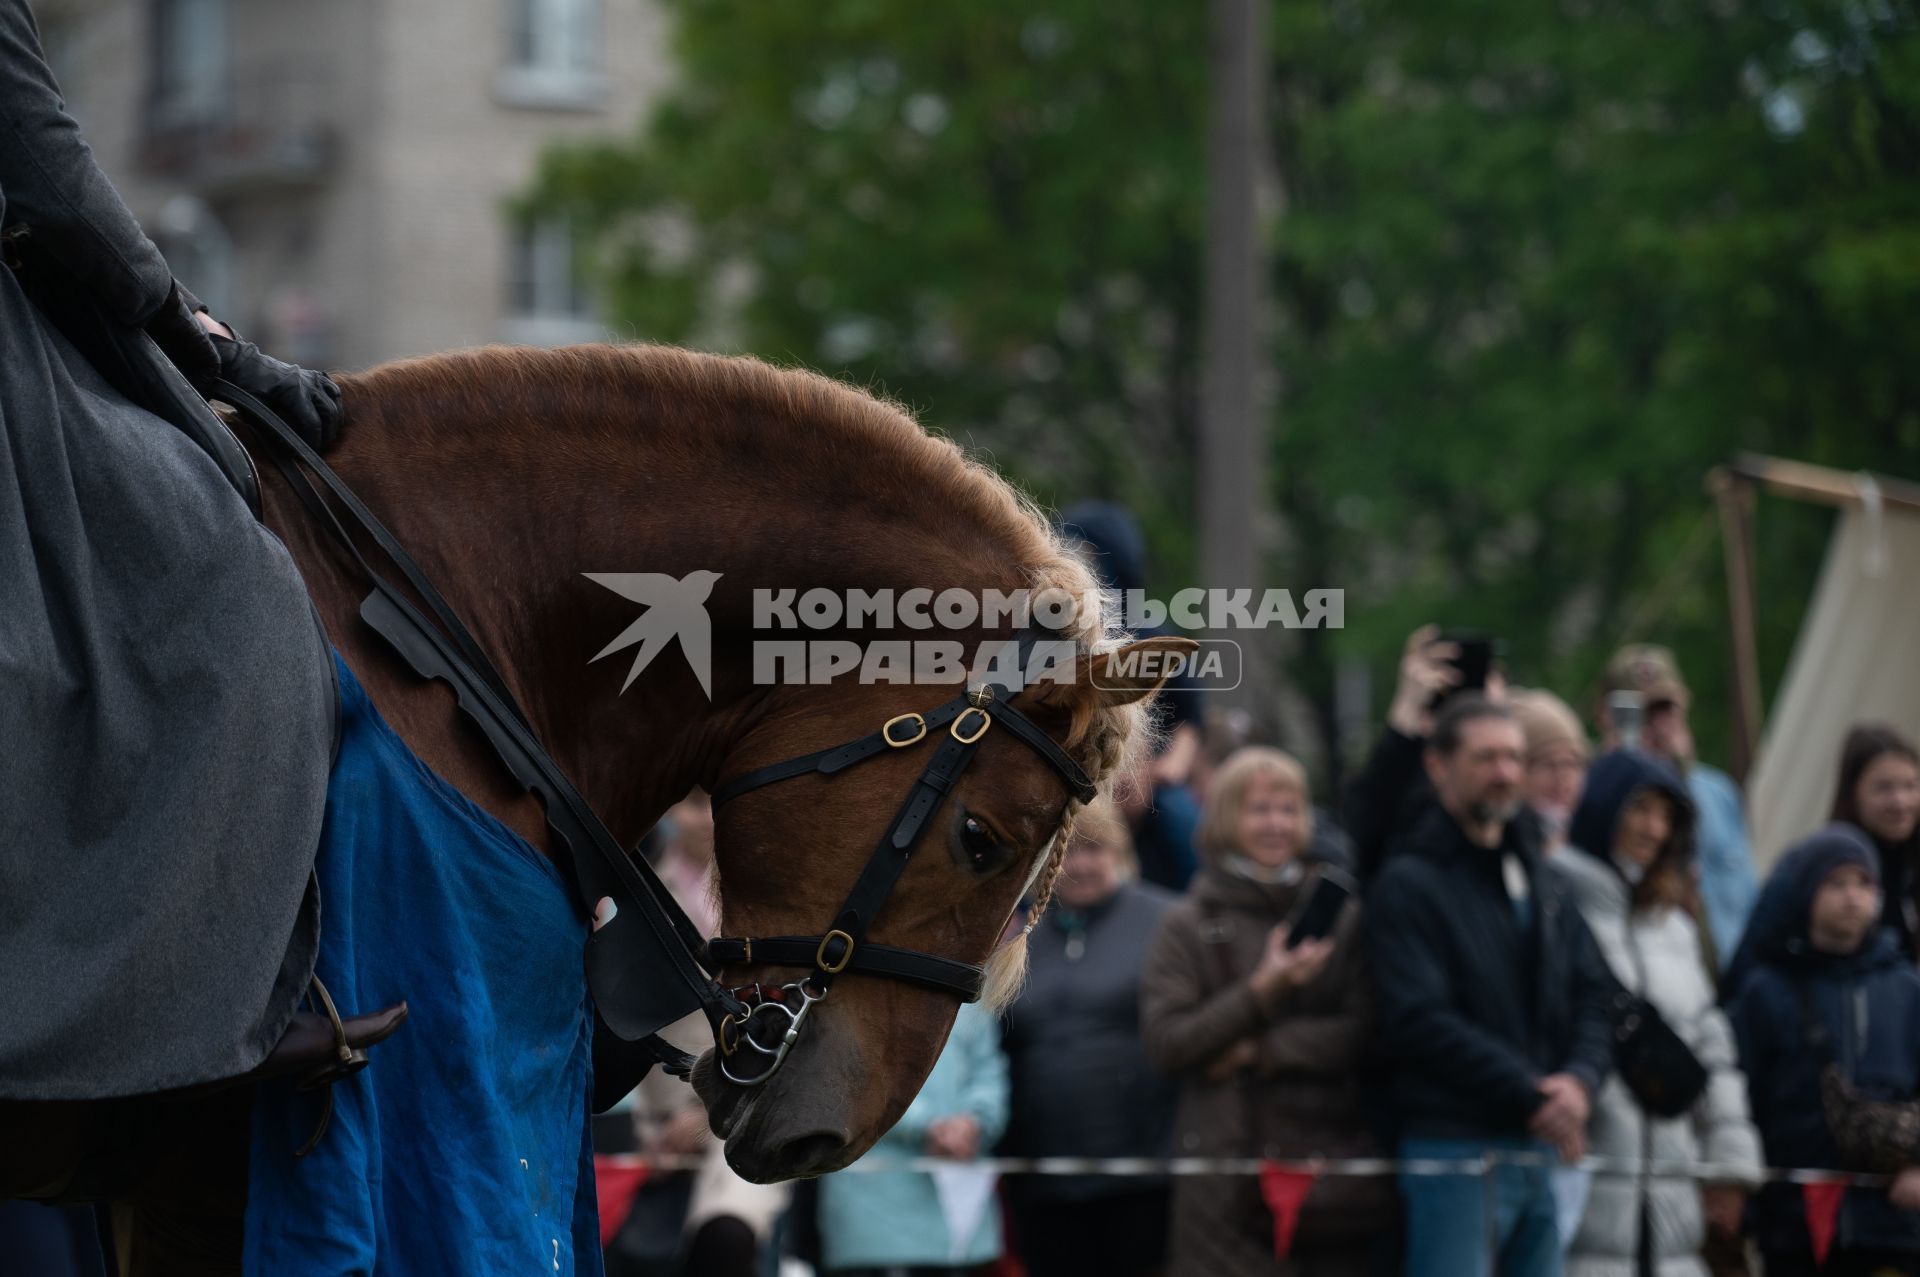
[{"x": 464, "y": 1146}]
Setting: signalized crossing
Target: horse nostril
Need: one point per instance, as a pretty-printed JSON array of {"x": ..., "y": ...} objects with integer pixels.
[{"x": 812, "y": 1154}]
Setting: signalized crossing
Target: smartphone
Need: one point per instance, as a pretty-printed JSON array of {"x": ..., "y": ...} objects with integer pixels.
[
  {"x": 1628, "y": 715},
  {"x": 1474, "y": 662},
  {"x": 1315, "y": 916}
]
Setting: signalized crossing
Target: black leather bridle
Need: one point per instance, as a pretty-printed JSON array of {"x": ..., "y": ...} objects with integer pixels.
[
  {"x": 648, "y": 966},
  {"x": 771, "y": 1023}
]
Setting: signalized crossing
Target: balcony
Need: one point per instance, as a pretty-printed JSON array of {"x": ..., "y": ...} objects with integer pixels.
[{"x": 270, "y": 125}]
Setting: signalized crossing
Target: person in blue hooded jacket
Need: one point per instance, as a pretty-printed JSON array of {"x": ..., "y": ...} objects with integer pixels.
[{"x": 1815, "y": 947}]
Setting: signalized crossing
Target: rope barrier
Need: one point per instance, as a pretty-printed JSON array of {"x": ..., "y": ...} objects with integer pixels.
[{"x": 1353, "y": 1167}]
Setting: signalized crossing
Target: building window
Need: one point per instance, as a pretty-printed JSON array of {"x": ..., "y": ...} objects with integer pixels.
[
  {"x": 548, "y": 303},
  {"x": 553, "y": 54},
  {"x": 189, "y": 62}
]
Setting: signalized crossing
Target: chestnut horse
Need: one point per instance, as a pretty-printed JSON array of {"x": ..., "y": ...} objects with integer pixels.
[
  {"x": 546, "y": 465},
  {"x": 510, "y": 474}
]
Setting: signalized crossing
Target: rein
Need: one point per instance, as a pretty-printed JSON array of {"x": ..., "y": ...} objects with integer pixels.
[{"x": 650, "y": 931}]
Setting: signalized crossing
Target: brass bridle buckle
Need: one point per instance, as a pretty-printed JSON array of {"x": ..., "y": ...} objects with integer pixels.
[
  {"x": 965, "y": 736},
  {"x": 833, "y": 966},
  {"x": 736, "y": 1031},
  {"x": 920, "y": 732}
]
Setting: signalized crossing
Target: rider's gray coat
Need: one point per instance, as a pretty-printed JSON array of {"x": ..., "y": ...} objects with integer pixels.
[{"x": 166, "y": 695}]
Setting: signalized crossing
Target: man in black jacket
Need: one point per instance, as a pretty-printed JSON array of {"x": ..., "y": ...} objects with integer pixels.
[{"x": 1491, "y": 1004}]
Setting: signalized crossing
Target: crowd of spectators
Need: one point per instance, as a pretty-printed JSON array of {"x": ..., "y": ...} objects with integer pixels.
[
  {"x": 1555, "y": 1021},
  {"x": 1525, "y": 903}
]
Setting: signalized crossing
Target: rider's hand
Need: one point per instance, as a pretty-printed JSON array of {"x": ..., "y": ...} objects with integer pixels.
[
  {"x": 306, "y": 398},
  {"x": 1723, "y": 1205}
]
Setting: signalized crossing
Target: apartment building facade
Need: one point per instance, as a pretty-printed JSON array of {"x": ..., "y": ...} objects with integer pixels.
[{"x": 335, "y": 177}]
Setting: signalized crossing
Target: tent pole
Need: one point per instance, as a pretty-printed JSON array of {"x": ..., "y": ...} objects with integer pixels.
[
  {"x": 1821, "y": 484},
  {"x": 1733, "y": 494}
]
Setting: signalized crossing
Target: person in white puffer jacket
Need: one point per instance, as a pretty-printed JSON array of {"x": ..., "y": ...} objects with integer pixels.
[{"x": 1630, "y": 865}]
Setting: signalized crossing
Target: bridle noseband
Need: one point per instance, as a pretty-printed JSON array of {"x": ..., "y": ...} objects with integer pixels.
[{"x": 770, "y": 1023}]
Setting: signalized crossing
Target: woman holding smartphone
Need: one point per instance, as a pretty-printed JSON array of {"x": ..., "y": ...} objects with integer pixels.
[{"x": 1265, "y": 1030}]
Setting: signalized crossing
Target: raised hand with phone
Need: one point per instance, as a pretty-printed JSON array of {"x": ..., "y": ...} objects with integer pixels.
[{"x": 1285, "y": 966}]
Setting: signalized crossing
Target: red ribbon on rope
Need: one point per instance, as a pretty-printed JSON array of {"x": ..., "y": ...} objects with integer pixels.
[
  {"x": 1284, "y": 1190},
  {"x": 1822, "y": 1204}
]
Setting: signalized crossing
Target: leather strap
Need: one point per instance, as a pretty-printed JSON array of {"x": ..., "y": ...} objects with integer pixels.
[
  {"x": 837, "y": 758},
  {"x": 1041, "y": 743},
  {"x": 963, "y": 979},
  {"x": 889, "y": 859}
]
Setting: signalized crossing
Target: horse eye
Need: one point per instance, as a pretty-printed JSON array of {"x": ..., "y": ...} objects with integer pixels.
[{"x": 978, "y": 842}]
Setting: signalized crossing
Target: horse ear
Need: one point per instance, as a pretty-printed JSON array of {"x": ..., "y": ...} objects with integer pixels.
[
  {"x": 1122, "y": 676},
  {"x": 1139, "y": 669}
]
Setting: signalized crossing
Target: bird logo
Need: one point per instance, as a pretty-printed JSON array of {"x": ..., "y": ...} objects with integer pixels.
[{"x": 676, "y": 608}]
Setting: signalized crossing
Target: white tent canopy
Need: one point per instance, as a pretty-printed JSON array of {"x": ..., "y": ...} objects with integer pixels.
[{"x": 1857, "y": 659}]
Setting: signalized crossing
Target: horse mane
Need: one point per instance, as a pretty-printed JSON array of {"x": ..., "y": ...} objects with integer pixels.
[{"x": 698, "y": 403}]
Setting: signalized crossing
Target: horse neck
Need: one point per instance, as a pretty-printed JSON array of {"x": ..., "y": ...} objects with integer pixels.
[
  {"x": 506, "y": 531},
  {"x": 495, "y": 537}
]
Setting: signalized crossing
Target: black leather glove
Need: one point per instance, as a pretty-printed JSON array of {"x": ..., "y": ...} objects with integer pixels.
[
  {"x": 307, "y": 399},
  {"x": 182, "y": 339}
]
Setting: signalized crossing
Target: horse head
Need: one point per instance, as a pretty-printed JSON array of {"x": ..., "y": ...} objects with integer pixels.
[
  {"x": 562, "y": 498},
  {"x": 790, "y": 853}
]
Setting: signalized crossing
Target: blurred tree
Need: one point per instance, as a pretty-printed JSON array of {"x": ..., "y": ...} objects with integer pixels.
[
  {"x": 1540, "y": 266},
  {"x": 1546, "y": 264},
  {"x": 989, "y": 211}
]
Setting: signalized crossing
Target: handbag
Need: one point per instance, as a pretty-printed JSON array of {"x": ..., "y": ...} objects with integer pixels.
[
  {"x": 1878, "y": 1136},
  {"x": 1657, "y": 1065}
]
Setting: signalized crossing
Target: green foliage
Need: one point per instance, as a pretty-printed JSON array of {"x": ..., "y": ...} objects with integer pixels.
[{"x": 1536, "y": 268}]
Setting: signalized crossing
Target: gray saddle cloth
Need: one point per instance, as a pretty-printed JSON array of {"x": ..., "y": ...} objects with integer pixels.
[{"x": 166, "y": 729}]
